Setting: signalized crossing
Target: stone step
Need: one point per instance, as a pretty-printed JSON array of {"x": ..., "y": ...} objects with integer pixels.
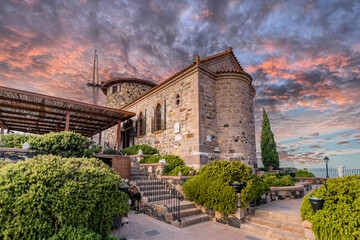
[
  {"x": 272, "y": 223},
  {"x": 190, "y": 220},
  {"x": 276, "y": 216},
  {"x": 158, "y": 198},
  {"x": 157, "y": 192},
  {"x": 271, "y": 233},
  {"x": 183, "y": 205},
  {"x": 149, "y": 187},
  {"x": 189, "y": 212},
  {"x": 136, "y": 178}
]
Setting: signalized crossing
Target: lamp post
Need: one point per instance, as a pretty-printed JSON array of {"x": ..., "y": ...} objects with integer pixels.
[{"x": 326, "y": 160}]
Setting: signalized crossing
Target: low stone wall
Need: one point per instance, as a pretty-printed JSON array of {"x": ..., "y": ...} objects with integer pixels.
[
  {"x": 228, "y": 219},
  {"x": 16, "y": 154},
  {"x": 160, "y": 213},
  {"x": 307, "y": 185},
  {"x": 313, "y": 180},
  {"x": 288, "y": 192}
]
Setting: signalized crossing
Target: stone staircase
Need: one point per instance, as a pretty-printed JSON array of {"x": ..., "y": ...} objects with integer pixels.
[
  {"x": 156, "y": 193},
  {"x": 274, "y": 225}
]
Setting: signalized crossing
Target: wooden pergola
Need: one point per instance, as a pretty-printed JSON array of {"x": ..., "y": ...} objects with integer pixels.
[{"x": 39, "y": 114}]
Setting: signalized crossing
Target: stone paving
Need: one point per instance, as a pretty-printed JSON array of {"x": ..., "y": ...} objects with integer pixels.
[{"x": 141, "y": 226}]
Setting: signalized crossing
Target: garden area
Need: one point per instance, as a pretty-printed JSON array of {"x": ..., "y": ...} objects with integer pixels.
[{"x": 63, "y": 193}]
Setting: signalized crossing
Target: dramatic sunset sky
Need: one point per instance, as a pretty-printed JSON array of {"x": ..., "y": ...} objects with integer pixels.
[{"x": 304, "y": 57}]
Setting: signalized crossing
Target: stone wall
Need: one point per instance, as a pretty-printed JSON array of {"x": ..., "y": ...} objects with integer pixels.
[
  {"x": 208, "y": 116},
  {"x": 184, "y": 143},
  {"x": 235, "y": 118},
  {"x": 215, "y": 113},
  {"x": 128, "y": 92}
]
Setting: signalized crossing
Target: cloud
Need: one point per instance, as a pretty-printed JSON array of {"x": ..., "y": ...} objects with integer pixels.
[
  {"x": 305, "y": 70},
  {"x": 343, "y": 143}
]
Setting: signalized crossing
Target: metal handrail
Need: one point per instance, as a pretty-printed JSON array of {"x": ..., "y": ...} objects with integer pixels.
[{"x": 168, "y": 203}]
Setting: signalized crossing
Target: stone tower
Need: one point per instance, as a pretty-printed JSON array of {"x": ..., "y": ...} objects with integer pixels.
[
  {"x": 120, "y": 91},
  {"x": 235, "y": 116}
]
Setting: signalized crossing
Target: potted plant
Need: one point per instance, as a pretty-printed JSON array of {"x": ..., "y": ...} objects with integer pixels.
[{"x": 238, "y": 186}]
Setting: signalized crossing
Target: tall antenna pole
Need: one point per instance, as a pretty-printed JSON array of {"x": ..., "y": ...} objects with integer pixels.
[{"x": 95, "y": 83}]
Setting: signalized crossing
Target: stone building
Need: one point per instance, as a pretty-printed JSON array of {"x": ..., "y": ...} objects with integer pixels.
[{"x": 202, "y": 113}]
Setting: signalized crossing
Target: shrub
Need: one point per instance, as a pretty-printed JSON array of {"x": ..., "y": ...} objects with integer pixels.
[
  {"x": 339, "y": 218},
  {"x": 151, "y": 159},
  {"x": 110, "y": 151},
  {"x": 67, "y": 144},
  {"x": 255, "y": 187},
  {"x": 15, "y": 140},
  {"x": 182, "y": 168},
  {"x": 274, "y": 180},
  {"x": 303, "y": 173},
  {"x": 286, "y": 171},
  {"x": 3, "y": 163},
  {"x": 73, "y": 233},
  {"x": 134, "y": 150},
  {"x": 175, "y": 164},
  {"x": 210, "y": 186},
  {"x": 172, "y": 161},
  {"x": 40, "y": 196}
]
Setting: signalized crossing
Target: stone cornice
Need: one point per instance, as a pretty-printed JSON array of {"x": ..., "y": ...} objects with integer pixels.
[{"x": 236, "y": 74}]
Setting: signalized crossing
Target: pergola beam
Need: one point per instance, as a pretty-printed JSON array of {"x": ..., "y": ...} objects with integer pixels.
[
  {"x": 44, "y": 111},
  {"x": 48, "y": 106}
]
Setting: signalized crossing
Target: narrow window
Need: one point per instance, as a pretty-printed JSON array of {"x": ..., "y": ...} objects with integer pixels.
[
  {"x": 177, "y": 100},
  {"x": 158, "y": 117},
  {"x": 141, "y": 125},
  {"x": 114, "y": 89}
]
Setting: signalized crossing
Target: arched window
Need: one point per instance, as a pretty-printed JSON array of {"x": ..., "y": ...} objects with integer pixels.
[
  {"x": 158, "y": 117},
  {"x": 142, "y": 124}
]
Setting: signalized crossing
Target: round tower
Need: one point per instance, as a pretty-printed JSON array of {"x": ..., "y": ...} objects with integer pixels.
[
  {"x": 235, "y": 116},
  {"x": 120, "y": 91}
]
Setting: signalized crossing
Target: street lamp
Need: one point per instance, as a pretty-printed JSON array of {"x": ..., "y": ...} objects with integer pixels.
[{"x": 326, "y": 160}]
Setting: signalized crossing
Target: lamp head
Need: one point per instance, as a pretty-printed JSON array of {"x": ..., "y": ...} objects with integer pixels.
[{"x": 326, "y": 159}]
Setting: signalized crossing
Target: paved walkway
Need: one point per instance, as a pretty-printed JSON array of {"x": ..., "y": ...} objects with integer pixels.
[{"x": 141, "y": 226}]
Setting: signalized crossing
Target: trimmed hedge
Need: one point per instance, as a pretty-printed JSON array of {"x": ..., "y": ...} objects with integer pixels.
[
  {"x": 210, "y": 186},
  {"x": 340, "y": 216},
  {"x": 303, "y": 173},
  {"x": 134, "y": 150},
  {"x": 40, "y": 196}
]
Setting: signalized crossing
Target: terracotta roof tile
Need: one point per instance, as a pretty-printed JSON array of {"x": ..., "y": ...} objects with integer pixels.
[
  {"x": 234, "y": 71},
  {"x": 221, "y": 54}
]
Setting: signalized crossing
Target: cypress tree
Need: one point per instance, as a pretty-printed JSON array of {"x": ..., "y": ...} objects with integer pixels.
[{"x": 269, "y": 155}]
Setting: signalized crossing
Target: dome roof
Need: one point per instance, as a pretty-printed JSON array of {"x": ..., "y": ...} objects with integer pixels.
[{"x": 105, "y": 85}]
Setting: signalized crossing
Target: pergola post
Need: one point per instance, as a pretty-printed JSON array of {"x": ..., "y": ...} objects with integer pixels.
[
  {"x": 118, "y": 137},
  {"x": 100, "y": 137},
  {"x": 2, "y": 128},
  {"x": 67, "y": 123}
]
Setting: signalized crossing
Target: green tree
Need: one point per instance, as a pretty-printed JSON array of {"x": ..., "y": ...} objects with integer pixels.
[{"x": 269, "y": 155}]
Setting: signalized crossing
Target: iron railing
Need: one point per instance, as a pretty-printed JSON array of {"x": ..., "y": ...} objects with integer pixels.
[
  {"x": 333, "y": 172},
  {"x": 162, "y": 192}
]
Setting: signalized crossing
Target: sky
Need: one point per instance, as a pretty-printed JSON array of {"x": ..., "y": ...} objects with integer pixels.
[{"x": 304, "y": 58}]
